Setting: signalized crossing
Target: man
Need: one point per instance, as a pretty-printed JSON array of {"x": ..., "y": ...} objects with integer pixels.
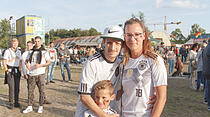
[
  {"x": 53, "y": 60},
  {"x": 101, "y": 66},
  {"x": 36, "y": 63},
  {"x": 63, "y": 55},
  {"x": 24, "y": 56},
  {"x": 206, "y": 70},
  {"x": 161, "y": 49},
  {"x": 11, "y": 63}
]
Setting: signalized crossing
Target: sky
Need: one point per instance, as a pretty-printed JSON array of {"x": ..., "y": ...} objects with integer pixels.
[{"x": 84, "y": 14}]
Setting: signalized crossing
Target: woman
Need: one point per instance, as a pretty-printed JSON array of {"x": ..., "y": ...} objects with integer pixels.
[
  {"x": 171, "y": 59},
  {"x": 192, "y": 65},
  {"x": 144, "y": 74}
]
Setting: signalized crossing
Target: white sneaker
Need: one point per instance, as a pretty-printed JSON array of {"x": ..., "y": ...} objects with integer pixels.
[
  {"x": 40, "y": 110},
  {"x": 28, "y": 109}
]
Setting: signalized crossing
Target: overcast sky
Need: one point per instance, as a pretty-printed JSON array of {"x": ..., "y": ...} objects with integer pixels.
[{"x": 84, "y": 14}]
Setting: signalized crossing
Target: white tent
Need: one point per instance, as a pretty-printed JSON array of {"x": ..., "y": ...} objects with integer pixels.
[{"x": 189, "y": 42}]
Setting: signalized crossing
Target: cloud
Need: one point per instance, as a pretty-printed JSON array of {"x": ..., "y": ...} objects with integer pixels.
[
  {"x": 181, "y": 4},
  {"x": 158, "y": 2}
]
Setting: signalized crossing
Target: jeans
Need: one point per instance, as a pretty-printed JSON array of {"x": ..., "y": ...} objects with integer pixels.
[
  {"x": 50, "y": 71},
  {"x": 205, "y": 90},
  {"x": 199, "y": 76},
  {"x": 66, "y": 65},
  {"x": 208, "y": 88},
  {"x": 171, "y": 65}
]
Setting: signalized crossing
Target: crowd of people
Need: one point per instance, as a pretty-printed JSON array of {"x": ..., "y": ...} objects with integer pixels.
[{"x": 111, "y": 85}]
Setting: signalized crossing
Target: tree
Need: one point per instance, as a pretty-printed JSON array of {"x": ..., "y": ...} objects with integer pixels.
[
  {"x": 195, "y": 28},
  {"x": 5, "y": 31},
  {"x": 177, "y": 36}
]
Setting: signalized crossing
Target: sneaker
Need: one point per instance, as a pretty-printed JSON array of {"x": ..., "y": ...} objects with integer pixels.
[
  {"x": 17, "y": 105},
  {"x": 40, "y": 110},
  {"x": 28, "y": 109},
  {"x": 205, "y": 102},
  {"x": 11, "y": 106},
  {"x": 47, "y": 83},
  {"x": 208, "y": 108},
  {"x": 52, "y": 81},
  {"x": 47, "y": 102}
]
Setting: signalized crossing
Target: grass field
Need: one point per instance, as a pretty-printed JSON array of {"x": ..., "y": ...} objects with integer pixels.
[{"x": 181, "y": 100}]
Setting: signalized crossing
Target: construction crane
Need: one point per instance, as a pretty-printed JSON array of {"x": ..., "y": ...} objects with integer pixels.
[{"x": 165, "y": 23}]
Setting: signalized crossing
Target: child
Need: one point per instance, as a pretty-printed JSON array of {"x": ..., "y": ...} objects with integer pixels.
[{"x": 103, "y": 95}]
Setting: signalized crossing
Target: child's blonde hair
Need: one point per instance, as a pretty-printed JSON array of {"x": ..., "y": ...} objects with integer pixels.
[{"x": 104, "y": 84}]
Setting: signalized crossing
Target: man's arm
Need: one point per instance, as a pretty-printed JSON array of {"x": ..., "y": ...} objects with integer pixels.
[
  {"x": 161, "y": 93},
  {"x": 91, "y": 105}
]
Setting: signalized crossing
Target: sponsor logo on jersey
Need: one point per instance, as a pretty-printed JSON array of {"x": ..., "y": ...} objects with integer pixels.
[{"x": 117, "y": 71}]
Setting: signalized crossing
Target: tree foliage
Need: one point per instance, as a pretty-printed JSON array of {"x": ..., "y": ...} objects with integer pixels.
[
  {"x": 5, "y": 31},
  {"x": 195, "y": 28}
]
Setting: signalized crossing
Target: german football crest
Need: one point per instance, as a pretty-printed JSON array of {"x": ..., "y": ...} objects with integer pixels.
[{"x": 142, "y": 66}]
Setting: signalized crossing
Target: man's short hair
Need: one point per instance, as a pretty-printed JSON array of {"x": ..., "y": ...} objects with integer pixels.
[
  {"x": 30, "y": 42},
  {"x": 14, "y": 39},
  {"x": 51, "y": 42},
  {"x": 38, "y": 37},
  {"x": 104, "y": 84},
  {"x": 161, "y": 43}
]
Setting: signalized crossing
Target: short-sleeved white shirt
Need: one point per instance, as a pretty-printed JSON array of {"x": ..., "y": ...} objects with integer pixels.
[
  {"x": 95, "y": 69},
  {"x": 10, "y": 56},
  {"x": 140, "y": 76},
  {"x": 24, "y": 56},
  {"x": 41, "y": 70},
  {"x": 89, "y": 113}
]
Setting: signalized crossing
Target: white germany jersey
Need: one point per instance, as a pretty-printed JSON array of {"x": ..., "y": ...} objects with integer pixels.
[
  {"x": 95, "y": 69},
  {"x": 89, "y": 113},
  {"x": 140, "y": 77}
]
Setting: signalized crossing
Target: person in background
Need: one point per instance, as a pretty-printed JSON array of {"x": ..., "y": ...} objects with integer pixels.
[
  {"x": 63, "y": 55},
  {"x": 171, "y": 59},
  {"x": 24, "y": 56},
  {"x": 36, "y": 63},
  {"x": 206, "y": 71},
  {"x": 192, "y": 65},
  {"x": 11, "y": 62},
  {"x": 53, "y": 59},
  {"x": 178, "y": 66}
]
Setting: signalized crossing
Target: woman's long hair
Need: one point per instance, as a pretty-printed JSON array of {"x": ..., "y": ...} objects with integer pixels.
[{"x": 147, "y": 50}]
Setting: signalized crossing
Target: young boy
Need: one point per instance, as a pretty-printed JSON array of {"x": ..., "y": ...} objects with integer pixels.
[{"x": 103, "y": 95}]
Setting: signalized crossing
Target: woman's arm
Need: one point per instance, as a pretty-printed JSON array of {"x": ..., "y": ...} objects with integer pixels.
[{"x": 161, "y": 93}]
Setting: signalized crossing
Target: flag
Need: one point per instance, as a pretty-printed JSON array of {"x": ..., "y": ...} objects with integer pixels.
[{"x": 198, "y": 34}]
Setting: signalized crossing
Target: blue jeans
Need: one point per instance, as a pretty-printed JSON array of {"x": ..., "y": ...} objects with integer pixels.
[
  {"x": 208, "y": 89},
  {"x": 50, "y": 71},
  {"x": 205, "y": 90},
  {"x": 66, "y": 65},
  {"x": 171, "y": 65},
  {"x": 199, "y": 76}
]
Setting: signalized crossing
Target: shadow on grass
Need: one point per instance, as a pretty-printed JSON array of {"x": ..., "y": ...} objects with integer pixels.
[{"x": 60, "y": 112}]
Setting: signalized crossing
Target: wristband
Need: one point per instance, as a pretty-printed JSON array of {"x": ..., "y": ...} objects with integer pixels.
[{"x": 6, "y": 70}]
